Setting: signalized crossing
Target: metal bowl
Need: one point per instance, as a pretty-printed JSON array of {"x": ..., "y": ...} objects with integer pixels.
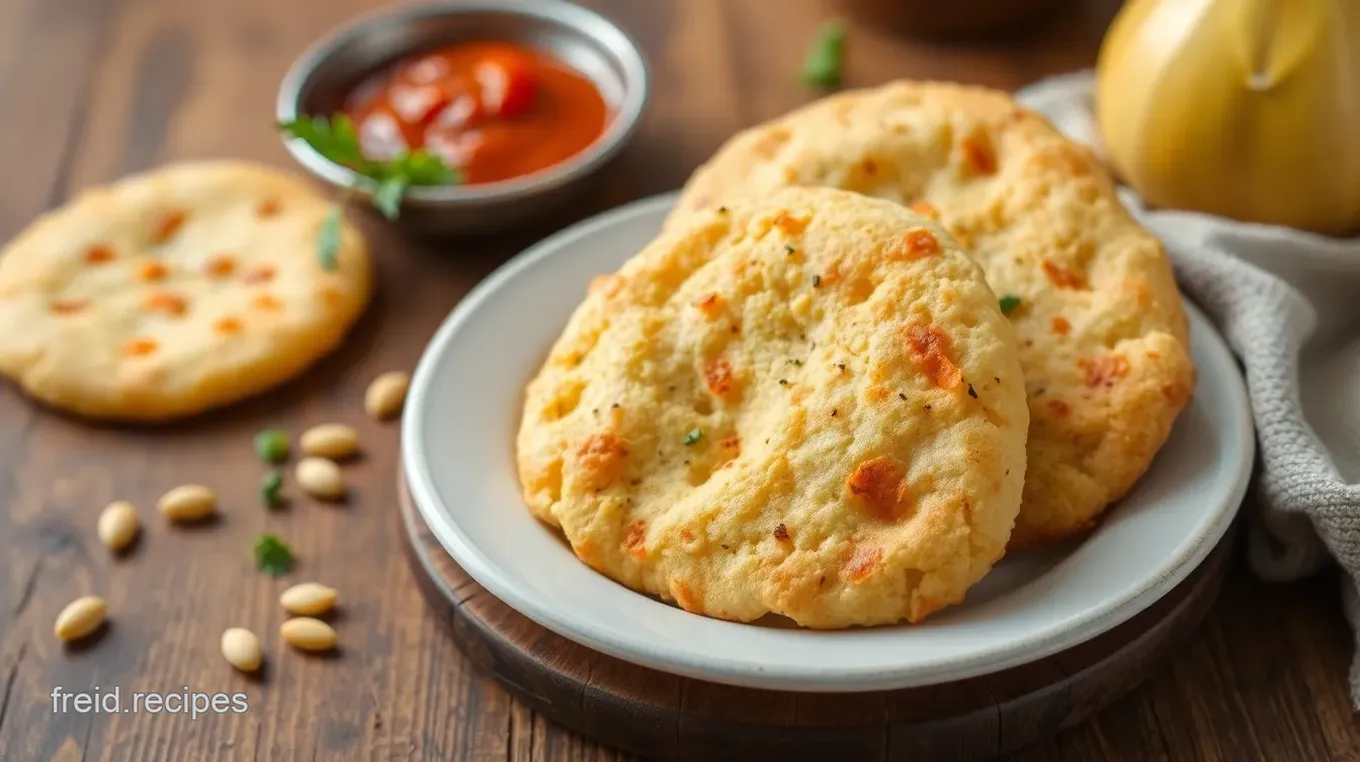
[{"x": 323, "y": 75}]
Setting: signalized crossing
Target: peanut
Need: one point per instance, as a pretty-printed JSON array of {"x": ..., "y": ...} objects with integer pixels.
[
  {"x": 118, "y": 525},
  {"x": 80, "y": 618},
  {"x": 386, "y": 394}
]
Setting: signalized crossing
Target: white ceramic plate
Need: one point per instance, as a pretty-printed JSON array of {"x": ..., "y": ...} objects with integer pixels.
[{"x": 458, "y": 443}]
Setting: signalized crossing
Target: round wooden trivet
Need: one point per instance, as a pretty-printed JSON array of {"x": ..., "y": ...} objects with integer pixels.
[{"x": 661, "y": 716}]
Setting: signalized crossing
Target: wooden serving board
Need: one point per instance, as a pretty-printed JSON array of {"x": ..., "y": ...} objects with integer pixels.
[{"x": 662, "y": 716}]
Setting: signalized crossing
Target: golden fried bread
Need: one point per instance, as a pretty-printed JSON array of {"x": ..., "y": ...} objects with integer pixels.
[
  {"x": 175, "y": 291},
  {"x": 1102, "y": 330},
  {"x": 807, "y": 405}
]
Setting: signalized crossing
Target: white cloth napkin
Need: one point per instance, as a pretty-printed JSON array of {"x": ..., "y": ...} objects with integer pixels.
[{"x": 1288, "y": 302}]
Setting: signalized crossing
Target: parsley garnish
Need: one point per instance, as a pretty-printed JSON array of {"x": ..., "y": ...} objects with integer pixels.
[
  {"x": 336, "y": 139},
  {"x": 1008, "y": 303},
  {"x": 269, "y": 490},
  {"x": 272, "y": 445},
  {"x": 693, "y": 436},
  {"x": 272, "y": 555},
  {"x": 825, "y": 58}
]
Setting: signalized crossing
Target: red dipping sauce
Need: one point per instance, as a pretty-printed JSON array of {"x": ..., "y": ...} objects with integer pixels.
[{"x": 493, "y": 110}]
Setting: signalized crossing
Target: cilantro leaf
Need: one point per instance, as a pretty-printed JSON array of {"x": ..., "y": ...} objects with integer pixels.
[
  {"x": 826, "y": 57},
  {"x": 693, "y": 436},
  {"x": 269, "y": 490},
  {"x": 336, "y": 139},
  {"x": 421, "y": 167},
  {"x": 272, "y": 555},
  {"x": 328, "y": 239},
  {"x": 387, "y": 198},
  {"x": 1008, "y": 303}
]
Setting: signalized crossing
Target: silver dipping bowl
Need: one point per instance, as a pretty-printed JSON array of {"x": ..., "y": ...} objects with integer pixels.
[{"x": 321, "y": 77}]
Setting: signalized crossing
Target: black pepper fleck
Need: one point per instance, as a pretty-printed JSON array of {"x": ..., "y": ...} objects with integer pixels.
[
  {"x": 821, "y": 581},
  {"x": 788, "y": 249},
  {"x": 724, "y": 547},
  {"x": 816, "y": 281},
  {"x": 971, "y": 393},
  {"x": 783, "y": 382},
  {"x": 833, "y": 412},
  {"x": 902, "y": 396},
  {"x": 996, "y": 379},
  {"x": 595, "y": 411},
  {"x": 927, "y": 407},
  {"x": 614, "y": 406},
  {"x": 841, "y": 365},
  {"x": 722, "y": 210}
]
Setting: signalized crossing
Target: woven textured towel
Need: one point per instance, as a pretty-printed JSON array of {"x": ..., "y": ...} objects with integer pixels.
[{"x": 1288, "y": 303}]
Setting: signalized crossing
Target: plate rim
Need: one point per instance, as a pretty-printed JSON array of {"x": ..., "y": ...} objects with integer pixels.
[{"x": 1055, "y": 637}]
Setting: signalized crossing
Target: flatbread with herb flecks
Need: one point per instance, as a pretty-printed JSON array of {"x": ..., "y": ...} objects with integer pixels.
[
  {"x": 1102, "y": 331},
  {"x": 175, "y": 291},
  {"x": 809, "y": 405}
]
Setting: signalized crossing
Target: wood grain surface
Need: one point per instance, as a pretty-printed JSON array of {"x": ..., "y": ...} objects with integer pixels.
[
  {"x": 670, "y": 718},
  {"x": 93, "y": 89}
]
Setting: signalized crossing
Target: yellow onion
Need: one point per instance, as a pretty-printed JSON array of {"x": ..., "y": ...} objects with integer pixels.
[{"x": 1243, "y": 108}]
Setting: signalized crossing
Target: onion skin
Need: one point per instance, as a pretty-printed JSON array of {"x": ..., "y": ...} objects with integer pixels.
[{"x": 1248, "y": 109}]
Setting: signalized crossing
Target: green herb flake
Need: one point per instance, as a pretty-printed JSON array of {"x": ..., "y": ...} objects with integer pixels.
[
  {"x": 387, "y": 198},
  {"x": 816, "y": 281},
  {"x": 337, "y": 140},
  {"x": 269, "y": 490},
  {"x": 272, "y": 445},
  {"x": 693, "y": 436},
  {"x": 272, "y": 555},
  {"x": 328, "y": 240},
  {"x": 1008, "y": 303},
  {"x": 826, "y": 57}
]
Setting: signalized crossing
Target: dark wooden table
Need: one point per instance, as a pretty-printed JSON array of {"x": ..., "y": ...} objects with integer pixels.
[{"x": 93, "y": 89}]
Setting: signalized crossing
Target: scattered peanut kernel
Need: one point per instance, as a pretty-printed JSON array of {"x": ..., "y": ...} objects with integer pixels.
[
  {"x": 80, "y": 618},
  {"x": 189, "y": 502},
  {"x": 330, "y": 440},
  {"x": 386, "y": 394},
  {"x": 320, "y": 478},
  {"x": 242, "y": 649},
  {"x": 118, "y": 525},
  {"x": 308, "y": 599},
  {"x": 308, "y": 634}
]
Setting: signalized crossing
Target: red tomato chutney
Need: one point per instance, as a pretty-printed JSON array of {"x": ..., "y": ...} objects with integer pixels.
[{"x": 493, "y": 110}]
